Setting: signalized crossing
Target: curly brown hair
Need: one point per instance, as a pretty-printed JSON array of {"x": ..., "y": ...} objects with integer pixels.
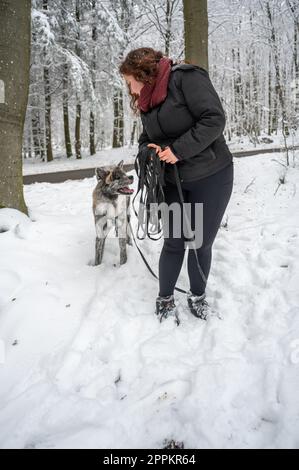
[{"x": 142, "y": 63}]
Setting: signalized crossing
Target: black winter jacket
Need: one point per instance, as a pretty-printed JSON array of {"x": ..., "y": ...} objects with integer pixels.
[{"x": 191, "y": 121}]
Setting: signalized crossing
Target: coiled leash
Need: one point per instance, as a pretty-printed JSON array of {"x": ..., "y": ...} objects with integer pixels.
[{"x": 150, "y": 171}]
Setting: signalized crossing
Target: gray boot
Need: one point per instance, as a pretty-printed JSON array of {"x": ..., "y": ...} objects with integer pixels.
[
  {"x": 165, "y": 307},
  {"x": 198, "y": 306}
]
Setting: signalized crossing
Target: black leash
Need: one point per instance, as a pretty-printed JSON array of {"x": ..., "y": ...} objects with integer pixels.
[
  {"x": 150, "y": 171},
  {"x": 178, "y": 183}
]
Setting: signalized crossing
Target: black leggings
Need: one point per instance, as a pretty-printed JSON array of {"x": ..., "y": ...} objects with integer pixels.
[{"x": 214, "y": 192}]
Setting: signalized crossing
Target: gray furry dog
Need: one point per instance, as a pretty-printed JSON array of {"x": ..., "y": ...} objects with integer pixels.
[{"x": 111, "y": 207}]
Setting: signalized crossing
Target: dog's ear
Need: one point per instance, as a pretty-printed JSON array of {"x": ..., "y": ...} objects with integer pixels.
[
  {"x": 120, "y": 164},
  {"x": 100, "y": 173}
]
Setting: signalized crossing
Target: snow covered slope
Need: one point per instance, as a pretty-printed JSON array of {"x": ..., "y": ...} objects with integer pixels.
[{"x": 86, "y": 362}]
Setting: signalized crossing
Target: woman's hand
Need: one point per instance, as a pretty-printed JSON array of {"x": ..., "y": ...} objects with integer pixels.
[
  {"x": 157, "y": 147},
  {"x": 164, "y": 155},
  {"x": 167, "y": 156}
]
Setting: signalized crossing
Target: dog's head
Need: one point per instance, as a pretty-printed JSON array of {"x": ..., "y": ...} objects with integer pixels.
[{"x": 114, "y": 181}]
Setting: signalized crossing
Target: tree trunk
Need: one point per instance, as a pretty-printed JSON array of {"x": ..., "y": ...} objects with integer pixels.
[
  {"x": 118, "y": 124},
  {"x": 78, "y": 106},
  {"x": 133, "y": 132},
  {"x": 196, "y": 32},
  {"x": 15, "y": 36},
  {"x": 277, "y": 67},
  {"x": 77, "y": 132},
  {"x": 65, "y": 106},
  {"x": 168, "y": 19},
  {"x": 295, "y": 90},
  {"x": 37, "y": 147},
  {"x": 48, "y": 115},
  {"x": 269, "y": 98},
  {"x": 65, "y": 84},
  {"x": 92, "y": 146},
  {"x": 47, "y": 91}
]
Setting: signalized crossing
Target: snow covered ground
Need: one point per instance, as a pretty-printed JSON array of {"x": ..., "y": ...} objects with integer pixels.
[{"x": 87, "y": 364}]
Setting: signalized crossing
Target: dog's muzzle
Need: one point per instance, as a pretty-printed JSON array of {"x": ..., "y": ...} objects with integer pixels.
[{"x": 126, "y": 189}]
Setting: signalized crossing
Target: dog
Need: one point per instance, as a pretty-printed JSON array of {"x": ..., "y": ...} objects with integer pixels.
[{"x": 111, "y": 207}]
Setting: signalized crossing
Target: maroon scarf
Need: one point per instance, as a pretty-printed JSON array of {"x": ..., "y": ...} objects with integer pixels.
[{"x": 152, "y": 95}]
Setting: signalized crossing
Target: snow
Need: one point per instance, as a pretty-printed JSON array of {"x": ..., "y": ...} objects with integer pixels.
[
  {"x": 41, "y": 24},
  {"x": 87, "y": 364}
]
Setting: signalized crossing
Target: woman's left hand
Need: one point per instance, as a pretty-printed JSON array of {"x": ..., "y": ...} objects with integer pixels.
[{"x": 167, "y": 156}]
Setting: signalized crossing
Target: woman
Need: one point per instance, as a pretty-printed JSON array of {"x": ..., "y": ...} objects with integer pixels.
[{"x": 181, "y": 111}]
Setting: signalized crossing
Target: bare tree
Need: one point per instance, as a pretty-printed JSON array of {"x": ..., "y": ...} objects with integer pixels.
[
  {"x": 276, "y": 62},
  {"x": 78, "y": 105},
  {"x": 65, "y": 80},
  {"x": 47, "y": 99},
  {"x": 161, "y": 17},
  {"x": 94, "y": 35},
  {"x": 123, "y": 15}
]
